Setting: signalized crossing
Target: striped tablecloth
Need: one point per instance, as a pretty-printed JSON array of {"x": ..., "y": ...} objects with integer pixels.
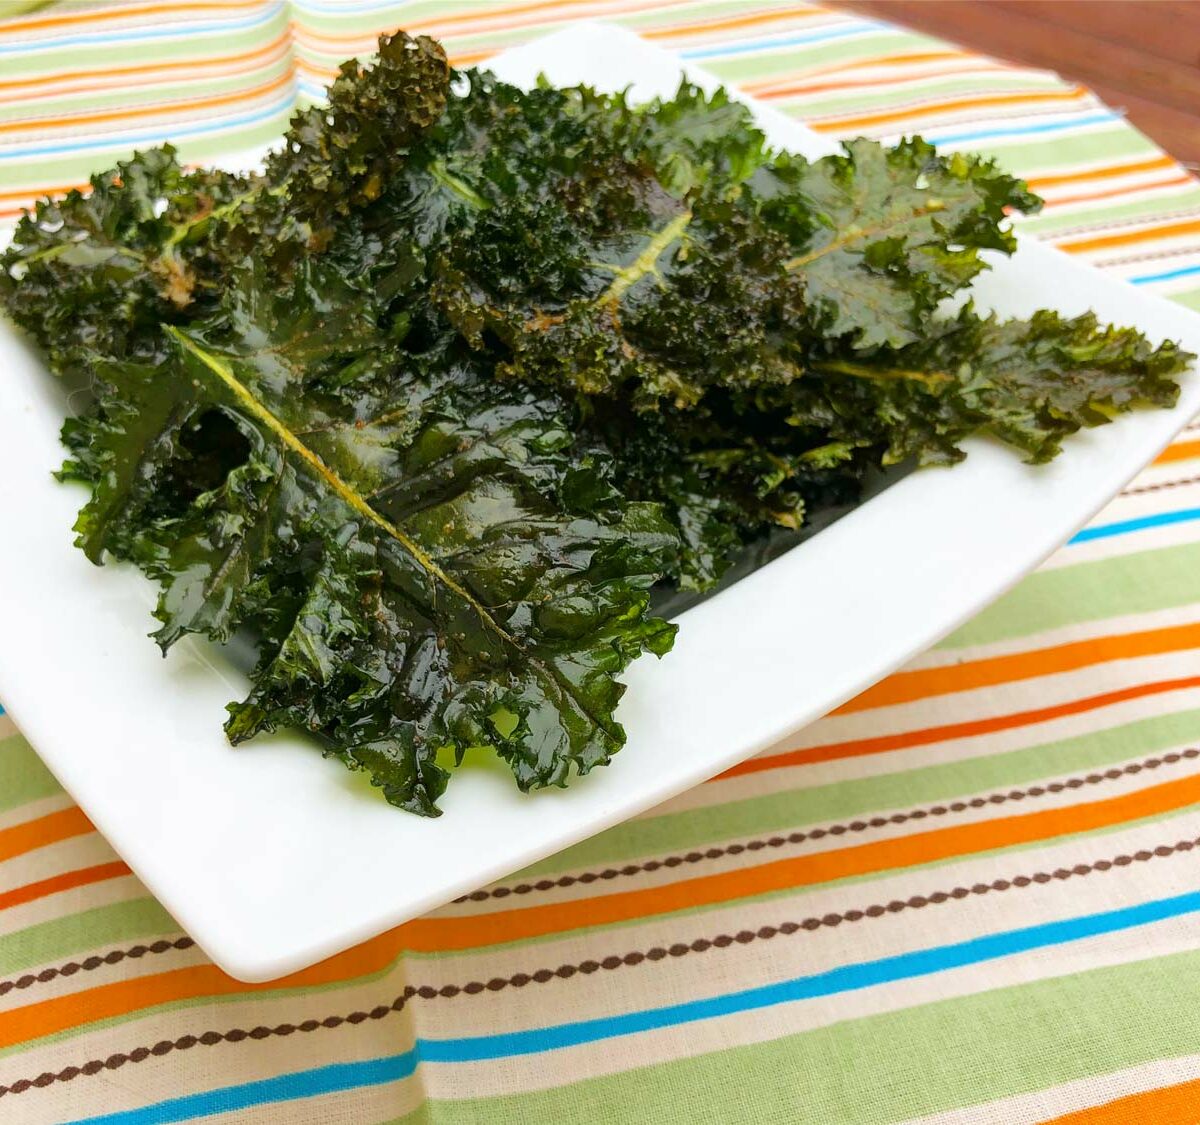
[{"x": 971, "y": 895}]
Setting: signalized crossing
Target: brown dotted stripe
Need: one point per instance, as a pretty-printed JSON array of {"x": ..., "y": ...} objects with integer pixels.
[
  {"x": 920, "y": 103},
  {"x": 113, "y": 957},
  {"x": 1161, "y": 486},
  {"x": 855, "y": 826},
  {"x": 592, "y": 965},
  {"x": 1157, "y": 256},
  {"x": 1119, "y": 224},
  {"x": 137, "y": 951}
]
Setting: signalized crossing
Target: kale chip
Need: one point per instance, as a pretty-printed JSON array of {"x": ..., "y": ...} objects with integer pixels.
[{"x": 434, "y": 406}]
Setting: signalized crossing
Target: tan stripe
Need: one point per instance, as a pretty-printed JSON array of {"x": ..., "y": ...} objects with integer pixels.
[
  {"x": 1186, "y": 251},
  {"x": 1005, "y": 698},
  {"x": 45, "y": 863},
  {"x": 972, "y": 809},
  {"x": 935, "y": 751},
  {"x": 1054, "y": 691},
  {"x": 1117, "y": 625},
  {"x": 1147, "y": 539},
  {"x": 636, "y": 1052},
  {"x": 436, "y": 996},
  {"x": 95, "y": 968},
  {"x": 1034, "y": 1108},
  {"x": 1135, "y": 221},
  {"x": 74, "y": 901},
  {"x": 810, "y": 950},
  {"x": 1161, "y": 486},
  {"x": 34, "y": 810},
  {"x": 92, "y": 963}
]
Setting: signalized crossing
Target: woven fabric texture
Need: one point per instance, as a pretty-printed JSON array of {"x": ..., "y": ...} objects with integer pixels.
[{"x": 971, "y": 895}]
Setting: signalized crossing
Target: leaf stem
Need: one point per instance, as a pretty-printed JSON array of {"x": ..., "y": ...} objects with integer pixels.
[
  {"x": 644, "y": 263},
  {"x": 358, "y": 504},
  {"x": 866, "y": 371},
  {"x": 225, "y": 373},
  {"x": 182, "y": 230},
  {"x": 855, "y": 233},
  {"x": 460, "y": 187}
]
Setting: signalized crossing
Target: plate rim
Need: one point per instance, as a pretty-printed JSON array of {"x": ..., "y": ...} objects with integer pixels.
[{"x": 267, "y": 958}]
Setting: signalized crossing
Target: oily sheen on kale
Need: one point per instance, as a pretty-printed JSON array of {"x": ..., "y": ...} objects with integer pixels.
[{"x": 431, "y": 405}]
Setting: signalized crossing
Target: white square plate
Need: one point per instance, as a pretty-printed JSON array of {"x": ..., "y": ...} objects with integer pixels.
[{"x": 273, "y": 858}]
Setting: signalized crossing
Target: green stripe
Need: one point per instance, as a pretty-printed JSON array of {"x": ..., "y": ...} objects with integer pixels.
[
  {"x": 1163, "y": 578},
  {"x": 895, "y": 1066},
  {"x": 76, "y": 169},
  {"x": 148, "y": 99},
  {"x": 1183, "y": 197},
  {"x": 785, "y": 63},
  {"x": 759, "y": 903},
  {"x": 927, "y": 93},
  {"x": 791, "y": 808},
  {"x": 654, "y": 16},
  {"x": 1189, "y": 300},
  {"x": 91, "y": 931},
  {"x": 23, "y": 778},
  {"x": 1063, "y": 151},
  {"x": 188, "y": 47}
]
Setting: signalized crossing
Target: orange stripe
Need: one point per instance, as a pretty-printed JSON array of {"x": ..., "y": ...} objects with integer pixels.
[
  {"x": 438, "y": 934},
  {"x": 29, "y": 192},
  {"x": 754, "y": 86},
  {"x": 124, "y": 997},
  {"x": 43, "y": 831},
  {"x": 82, "y": 877},
  {"x": 94, "y": 15},
  {"x": 190, "y": 105},
  {"x": 470, "y": 58},
  {"x": 1174, "y": 1105},
  {"x": 499, "y": 13},
  {"x": 1124, "y": 238},
  {"x": 326, "y": 74},
  {"x": 904, "y": 740},
  {"x": 905, "y": 687},
  {"x": 1180, "y": 451},
  {"x": 799, "y": 88},
  {"x": 104, "y": 77},
  {"x": 365, "y": 40},
  {"x": 495, "y": 18},
  {"x": 1086, "y": 197},
  {"x": 829, "y": 125},
  {"x": 754, "y": 20},
  {"x": 1107, "y": 172}
]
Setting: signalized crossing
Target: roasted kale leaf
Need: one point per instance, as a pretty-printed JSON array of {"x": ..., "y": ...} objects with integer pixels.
[
  {"x": 430, "y": 566},
  {"x": 435, "y": 404}
]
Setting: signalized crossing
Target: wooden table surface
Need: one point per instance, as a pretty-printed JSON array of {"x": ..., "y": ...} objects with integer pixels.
[{"x": 1140, "y": 55}]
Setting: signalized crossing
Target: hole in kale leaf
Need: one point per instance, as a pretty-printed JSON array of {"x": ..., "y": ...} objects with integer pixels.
[{"x": 209, "y": 450}]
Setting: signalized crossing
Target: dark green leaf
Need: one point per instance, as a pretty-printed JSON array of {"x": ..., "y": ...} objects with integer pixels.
[
  {"x": 882, "y": 235},
  {"x": 430, "y": 568}
]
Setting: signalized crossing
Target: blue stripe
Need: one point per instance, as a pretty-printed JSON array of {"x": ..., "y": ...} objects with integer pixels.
[
  {"x": 862, "y": 28},
  {"x": 312, "y": 89},
  {"x": 286, "y": 1088},
  {"x": 165, "y": 132},
  {"x": 1170, "y": 275},
  {"x": 130, "y": 35},
  {"x": 1161, "y": 519},
  {"x": 1022, "y": 130},
  {"x": 848, "y": 978}
]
